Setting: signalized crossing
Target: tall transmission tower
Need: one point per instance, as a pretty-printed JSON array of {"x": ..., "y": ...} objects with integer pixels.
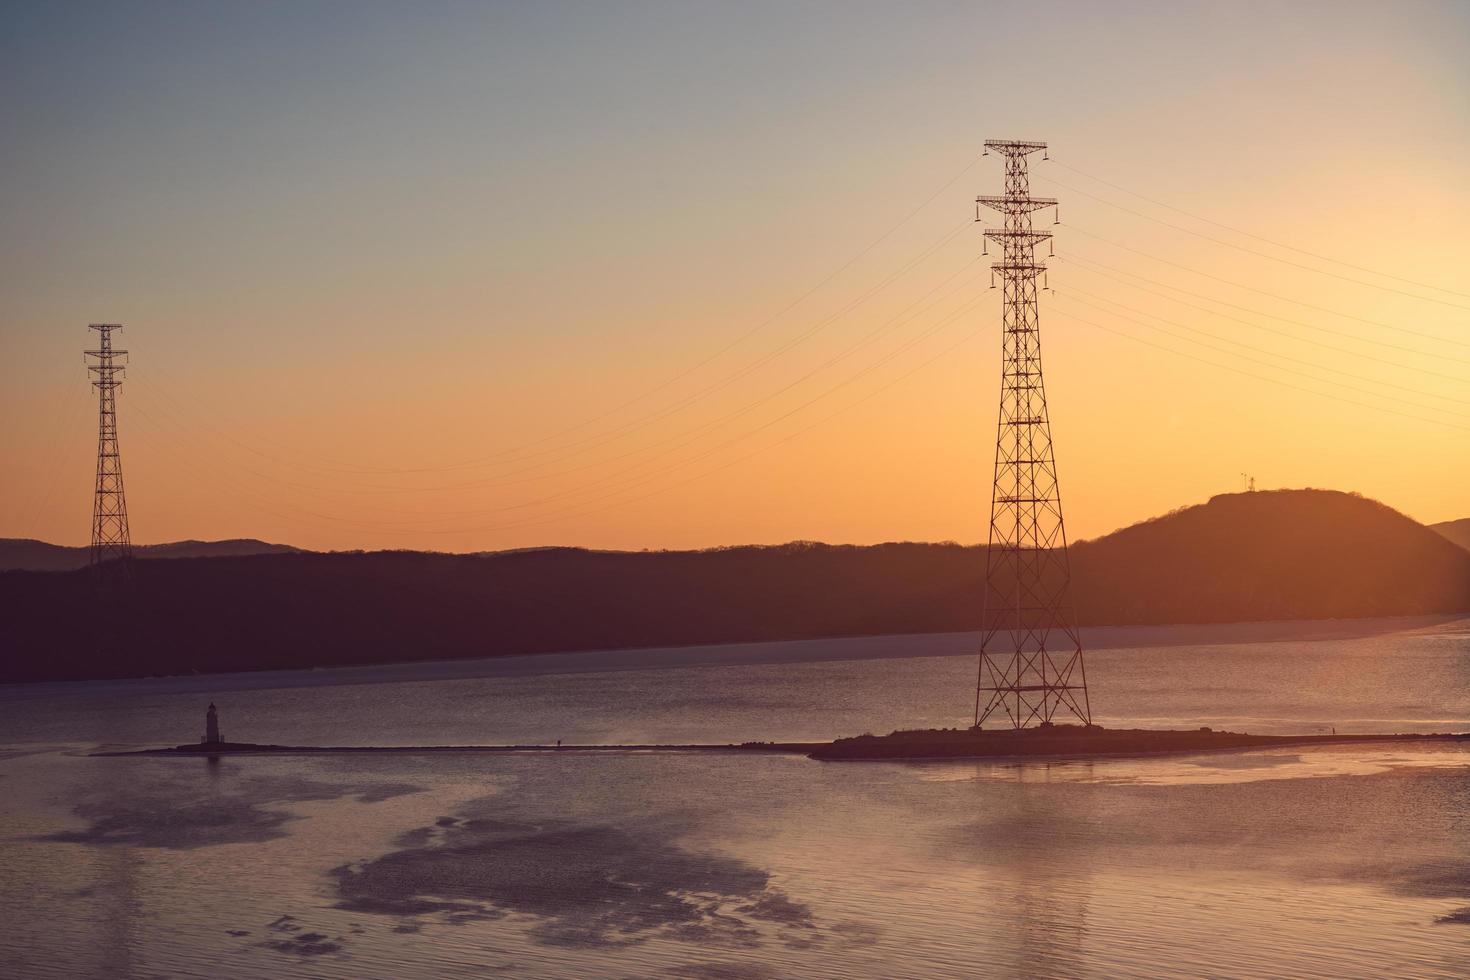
[
  {"x": 1031, "y": 667},
  {"x": 109, "y": 509}
]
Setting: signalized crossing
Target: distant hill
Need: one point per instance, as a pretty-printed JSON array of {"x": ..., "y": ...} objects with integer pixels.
[
  {"x": 1301, "y": 554},
  {"x": 1285, "y": 554},
  {"x": 1456, "y": 531},
  {"x": 28, "y": 553}
]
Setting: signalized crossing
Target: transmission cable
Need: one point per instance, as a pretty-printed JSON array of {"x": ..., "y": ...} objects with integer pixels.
[
  {"x": 1262, "y": 377},
  {"x": 664, "y": 385},
  {"x": 643, "y": 479},
  {"x": 1264, "y": 292},
  {"x": 1109, "y": 271},
  {"x": 619, "y": 503},
  {"x": 1257, "y": 252},
  {"x": 643, "y": 420},
  {"x": 1256, "y": 360},
  {"x": 1241, "y": 231},
  {"x": 1322, "y": 367},
  {"x": 691, "y": 436},
  {"x": 908, "y": 314}
]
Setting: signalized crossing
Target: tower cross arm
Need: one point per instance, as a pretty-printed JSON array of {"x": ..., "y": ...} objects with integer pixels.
[
  {"x": 1021, "y": 270},
  {"x": 1016, "y": 205},
  {"x": 1019, "y": 237},
  {"x": 1021, "y": 147}
]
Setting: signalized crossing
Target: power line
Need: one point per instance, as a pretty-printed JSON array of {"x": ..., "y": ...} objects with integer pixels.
[
  {"x": 548, "y": 445},
  {"x": 1263, "y": 292},
  {"x": 526, "y": 452},
  {"x": 765, "y": 359},
  {"x": 1270, "y": 353},
  {"x": 578, "y": 510},
  {"x": 1263, "y": 377},
  {"x": 1256, "y": 360},
  {"x": 645, "y": 478},
  {"x": 662, "y": 386},
  {"x": 1115, "y": 271},
  {"x": 689, "y": 436},
  {"x": 692, "y": 436},
  {"x": 1241, "y": 231},
  {"x": 564, "y": 515},
  {"x": 1258, "y": 253},
  {"x": 191, "y": 464},
  {"x": 779, "y": 442}
]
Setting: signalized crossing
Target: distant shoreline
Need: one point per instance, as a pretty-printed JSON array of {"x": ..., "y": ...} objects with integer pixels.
[
  {"x": 1238, "y": 560},
  {"x": 1067, "y": 741},
  {"x": 879, "y": 647}
]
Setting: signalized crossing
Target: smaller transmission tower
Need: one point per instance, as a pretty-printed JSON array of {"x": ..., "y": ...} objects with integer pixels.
[
  {"x": 1031, "y": 667},
  {"x": 109, "y": 509}
]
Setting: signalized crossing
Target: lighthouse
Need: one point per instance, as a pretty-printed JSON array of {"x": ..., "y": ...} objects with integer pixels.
[{"x": 211, "y": 727}]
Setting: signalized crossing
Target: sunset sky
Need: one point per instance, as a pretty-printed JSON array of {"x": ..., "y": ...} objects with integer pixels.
[{"x": 473, "y": 276}]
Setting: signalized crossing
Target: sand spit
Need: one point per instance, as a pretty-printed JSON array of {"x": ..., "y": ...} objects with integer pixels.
[
  {"x": 1078, "y": 742},
  {"x": 1055, "y": 741},
  {"x": 248, "y": 748}
]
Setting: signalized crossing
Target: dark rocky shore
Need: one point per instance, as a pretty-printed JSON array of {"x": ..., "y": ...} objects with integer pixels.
[{"x": 1072, "y": 741}]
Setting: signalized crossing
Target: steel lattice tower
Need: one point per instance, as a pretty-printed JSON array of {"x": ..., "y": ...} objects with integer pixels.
[
  {"x": 109, "y": 509},
  {"x": 1030, "y": 651}
]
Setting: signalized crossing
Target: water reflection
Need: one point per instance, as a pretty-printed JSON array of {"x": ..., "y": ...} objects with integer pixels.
[
  {"x": 1213, "y": 768},
  {"x": 1041, "y": 870},
  {"x": 115, "y": 895}
]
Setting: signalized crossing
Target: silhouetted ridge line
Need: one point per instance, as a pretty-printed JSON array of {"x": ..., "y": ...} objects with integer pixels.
[
  {"x": 1278, "y": 555},
  {"x": 1456, "y": 531},
  {"x": 32, "y": 555}
]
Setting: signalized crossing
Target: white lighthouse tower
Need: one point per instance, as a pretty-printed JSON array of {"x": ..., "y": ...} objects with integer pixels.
[{"x": 211, "y": 727}]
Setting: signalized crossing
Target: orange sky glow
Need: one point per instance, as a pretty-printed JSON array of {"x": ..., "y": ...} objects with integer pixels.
[{"x": 492, "y": 279}]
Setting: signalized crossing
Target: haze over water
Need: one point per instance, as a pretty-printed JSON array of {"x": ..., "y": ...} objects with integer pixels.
[{"x": 1325, "y": 861}]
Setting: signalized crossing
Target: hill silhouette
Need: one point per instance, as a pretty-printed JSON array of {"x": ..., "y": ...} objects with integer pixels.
[
  {"x": 30, "y": 554},
  {"x": 1299, "y": 554},
  {"x": 1456, "y": 531},
  {"x": 1285, "y": 554}
]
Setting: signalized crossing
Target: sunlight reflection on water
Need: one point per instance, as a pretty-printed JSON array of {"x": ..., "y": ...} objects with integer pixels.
[{"x": 1216, "y": 768}]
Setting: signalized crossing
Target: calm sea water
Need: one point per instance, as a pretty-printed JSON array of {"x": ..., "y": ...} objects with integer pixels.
[{"x": 1330, "y": 862}]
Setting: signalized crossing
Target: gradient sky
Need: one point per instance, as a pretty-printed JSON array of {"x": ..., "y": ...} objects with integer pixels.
[{"x": 475, "y": 276}]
